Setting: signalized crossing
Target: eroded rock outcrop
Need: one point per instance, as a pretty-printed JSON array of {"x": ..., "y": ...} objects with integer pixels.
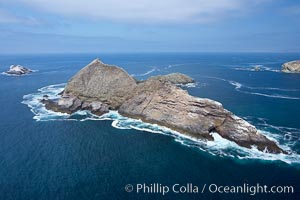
[
  {"x": 18, "y": 70},
  {"x": 291, "y": 67},
  {"x": 100, "y": 82},
  {"x": 175, "y": 78},
  {"x": 70, "y": 104},
  {"x": 99, "y": 88},
  {"x": 165, "y": 104}
]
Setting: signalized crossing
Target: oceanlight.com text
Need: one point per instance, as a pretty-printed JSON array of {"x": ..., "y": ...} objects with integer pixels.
[{"x": 157, "y": 188}]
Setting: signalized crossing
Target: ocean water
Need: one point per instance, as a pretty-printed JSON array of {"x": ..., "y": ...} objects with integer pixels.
[{"x": 46, "y": 155}]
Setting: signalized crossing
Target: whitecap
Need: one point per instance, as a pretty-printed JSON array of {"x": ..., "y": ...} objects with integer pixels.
[
  {"x": 256, "y": 68},
  {"x": 27, "y": 74},
  {"x": 188, "y": 85},
  {"x": 239, "y": 87},
  {"x": 33, "y": 101},
  {"x": 272, "y": 88},
  {"x": 236, "y": 84},
  {"x": 193, "y": 85},
  {"x": 219, "y": 147},
  {"x": 181, "y": 64},
  {"x": 276, "y": 96},
  {"x": 147, "y": 73}
]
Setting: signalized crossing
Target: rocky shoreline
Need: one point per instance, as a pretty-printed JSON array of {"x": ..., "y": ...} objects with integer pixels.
[{"x": 99, "y": 87}]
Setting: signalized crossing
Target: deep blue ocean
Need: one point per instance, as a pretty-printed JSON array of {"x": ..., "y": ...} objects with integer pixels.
[{"x": 48, "y": 156}]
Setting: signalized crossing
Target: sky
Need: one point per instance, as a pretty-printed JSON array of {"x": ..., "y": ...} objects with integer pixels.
[{"x": 92, "y": 26}]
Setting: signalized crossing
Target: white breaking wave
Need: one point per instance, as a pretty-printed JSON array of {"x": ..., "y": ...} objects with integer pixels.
[
  {"x": 188, "y": 85},
  {"x": 257, "y": 68},
  {"x": 239, "y": 87},
  {"x": 181, "y": 64},
  {"x": 146, "y": 73},
  {"x": 27, "y": 74},
  {"x": 236, "y": 84},
  {"x": 219, "y": 147},
  {"x": 290, "y": 134},
  {"x": 278, "y": 96},
  {"x": 271, "y": 88},
  {"x": 193, "y": 85},
  {"x": 33, "y": 101}
]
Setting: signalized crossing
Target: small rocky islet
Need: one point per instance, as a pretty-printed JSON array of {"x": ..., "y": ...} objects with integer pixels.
[
  {"x": 291, "y": 67},
  {"x": 18, "y": 70},
  {"x": 100, "y": 87}
]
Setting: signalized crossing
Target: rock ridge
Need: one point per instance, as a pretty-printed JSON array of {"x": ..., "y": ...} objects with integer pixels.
[{"x": 99, "y": 87}]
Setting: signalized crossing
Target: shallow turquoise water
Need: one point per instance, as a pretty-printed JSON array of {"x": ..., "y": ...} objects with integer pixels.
[{"x": 90, "y": 159}]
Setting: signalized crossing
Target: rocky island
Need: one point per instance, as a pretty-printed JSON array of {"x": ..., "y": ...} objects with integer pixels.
[
  {"x": 291, "y": 67},
  {"x": 99, "y": 87},
  {"x": 18, "y": 70},
  {"x": 175, "y": 78}
]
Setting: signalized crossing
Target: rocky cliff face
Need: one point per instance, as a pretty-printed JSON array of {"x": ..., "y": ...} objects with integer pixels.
[
  {"x": 291, "y": 67},
  {"x": 99, "y": 87},
  {"x": 100, "y": 82},
  {"x": 165, "y": 104}
]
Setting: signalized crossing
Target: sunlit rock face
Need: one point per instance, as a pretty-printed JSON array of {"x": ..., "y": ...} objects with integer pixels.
[
  {"x": 99, "y": 87},
  {"x": 291, "y": 67}
]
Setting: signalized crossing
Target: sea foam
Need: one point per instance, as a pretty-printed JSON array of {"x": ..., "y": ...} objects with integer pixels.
[
  {"x": 27, "y": 74},
  {"x": 147, "y": 72},
  {"x": 260, "y": 91},
  {"x": 219, "y": 147},
  {"x": 256, "y": 68}
]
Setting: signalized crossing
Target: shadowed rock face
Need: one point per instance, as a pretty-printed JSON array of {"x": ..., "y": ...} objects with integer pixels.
[
  {"x": 291, "y": 67},
  {"x": 99, "y": 87}
]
